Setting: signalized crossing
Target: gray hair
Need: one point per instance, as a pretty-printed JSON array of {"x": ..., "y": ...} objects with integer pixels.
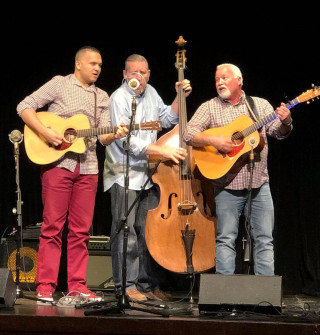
[
  {"x": 235, "y": 70},
  {"x": 136, "y": 58}
]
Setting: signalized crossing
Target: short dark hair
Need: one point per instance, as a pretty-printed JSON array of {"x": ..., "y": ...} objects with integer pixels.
[{"x": 85, "y": 48}]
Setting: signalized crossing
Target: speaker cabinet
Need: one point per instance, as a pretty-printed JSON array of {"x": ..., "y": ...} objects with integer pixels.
[
  {"x": 225, "y": 293},
  {"x": 99, "y": 271},
  {"x": 28, "y": 261},
  {"x": 7, "y": 288}
]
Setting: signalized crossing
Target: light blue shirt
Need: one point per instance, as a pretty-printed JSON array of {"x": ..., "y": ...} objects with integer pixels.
[{"x": 150, "y": 107}]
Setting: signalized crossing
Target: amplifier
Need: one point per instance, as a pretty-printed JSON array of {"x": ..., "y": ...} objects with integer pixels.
[
  {"x": 31, "y": 232},
  {"x": 99, "y": 270},
  {"x": 99, "y": 244}
]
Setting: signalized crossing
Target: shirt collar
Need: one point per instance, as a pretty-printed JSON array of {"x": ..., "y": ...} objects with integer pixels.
[
  {"x": 241, "y": 100},
  {"x": 91, "y": 88}
]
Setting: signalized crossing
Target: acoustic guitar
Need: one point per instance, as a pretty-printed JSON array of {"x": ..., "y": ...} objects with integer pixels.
[
  {"x": 243, "y": 132},
  {"x": 73, "y": 131}
]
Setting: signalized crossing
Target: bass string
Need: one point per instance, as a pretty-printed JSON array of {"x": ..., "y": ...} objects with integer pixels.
[{"x": 186, "y": 196}]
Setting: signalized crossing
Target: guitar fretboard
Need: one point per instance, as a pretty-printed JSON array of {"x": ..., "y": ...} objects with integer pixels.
[
  {"x": 103, "y": 130},
  {"x": 265, "y": 120}
]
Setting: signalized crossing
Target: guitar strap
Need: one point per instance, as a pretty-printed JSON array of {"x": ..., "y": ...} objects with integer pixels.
[
  {"x": 252, "y": 108},
  {"x": 95, "y": 108}
]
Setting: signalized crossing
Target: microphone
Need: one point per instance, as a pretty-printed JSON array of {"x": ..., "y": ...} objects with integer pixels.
[
  {"x": 134, "y": 83},
  {"x": 15, "y": 136},
  {"x": 252, "y": 141}
]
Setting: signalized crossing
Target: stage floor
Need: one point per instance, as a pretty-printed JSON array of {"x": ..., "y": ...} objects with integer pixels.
[{"x": 299, "y": 315}]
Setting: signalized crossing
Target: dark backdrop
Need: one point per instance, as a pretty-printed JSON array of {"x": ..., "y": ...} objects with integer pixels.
[{"x": 278, "y": 60}]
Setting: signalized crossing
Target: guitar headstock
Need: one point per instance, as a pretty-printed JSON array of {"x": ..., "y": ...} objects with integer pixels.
[
  {"x": 152, "y": 125},
  {"x": 310, "y": 94}
]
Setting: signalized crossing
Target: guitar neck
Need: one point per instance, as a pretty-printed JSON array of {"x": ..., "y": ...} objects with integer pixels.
[
  {"x": 265, "y": 120},
  {"x": 103, "y": 130}
]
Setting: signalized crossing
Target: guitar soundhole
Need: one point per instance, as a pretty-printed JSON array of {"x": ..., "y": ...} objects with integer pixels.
[
  {"x": 237, "y": 138},
  {"x": 238, "y": 144},
  {"x": 70, "y": 135}
]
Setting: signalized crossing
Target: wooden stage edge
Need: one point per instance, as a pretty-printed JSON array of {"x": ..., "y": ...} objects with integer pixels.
[{"x": 300, "y": 315}]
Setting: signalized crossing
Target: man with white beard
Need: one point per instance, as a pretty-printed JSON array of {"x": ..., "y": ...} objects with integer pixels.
[{"x": 231, "y": 190}]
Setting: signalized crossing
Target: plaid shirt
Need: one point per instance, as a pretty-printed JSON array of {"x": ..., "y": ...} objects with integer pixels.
[
  {"x": 65, "y": 96},
  {"x": 218, "y": 113}
]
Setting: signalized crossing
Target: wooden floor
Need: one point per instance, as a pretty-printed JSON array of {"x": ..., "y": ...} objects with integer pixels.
[{"x": 298, "y": 315}]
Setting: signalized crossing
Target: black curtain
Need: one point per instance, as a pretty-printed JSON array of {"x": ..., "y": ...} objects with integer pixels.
[{"x": 270, "y": 71}]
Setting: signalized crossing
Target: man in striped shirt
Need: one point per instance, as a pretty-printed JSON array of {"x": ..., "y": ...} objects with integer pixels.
[
  {"x": 231, "y": 195},
  {"x": 69, "y": 184}
]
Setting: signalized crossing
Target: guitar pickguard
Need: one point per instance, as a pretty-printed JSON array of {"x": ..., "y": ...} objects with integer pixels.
[{"x": 236, "y": 149}]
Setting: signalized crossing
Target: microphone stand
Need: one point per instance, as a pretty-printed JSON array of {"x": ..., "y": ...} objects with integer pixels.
[
  {"x": 16, "y": 140},
  {"x": 123, "y": 301},
  {"x": 126, "y": 228},
  {"x": 18, "y": 211},
  {"x": 247, "y": 242}
]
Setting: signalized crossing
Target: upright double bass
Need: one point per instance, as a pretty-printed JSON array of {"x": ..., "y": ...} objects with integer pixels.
[{"x": 180, "y": 232}]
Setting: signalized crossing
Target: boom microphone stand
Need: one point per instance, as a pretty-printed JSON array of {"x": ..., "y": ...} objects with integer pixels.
[{"x": 123, "y": 301}]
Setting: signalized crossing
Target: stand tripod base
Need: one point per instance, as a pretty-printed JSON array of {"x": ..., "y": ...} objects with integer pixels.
[{"x": 120, "y": 308}]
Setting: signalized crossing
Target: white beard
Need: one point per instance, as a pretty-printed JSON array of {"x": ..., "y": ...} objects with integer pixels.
[{"x": 225, "y": 94}]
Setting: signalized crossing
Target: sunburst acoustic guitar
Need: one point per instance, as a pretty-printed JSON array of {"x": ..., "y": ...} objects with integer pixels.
[
  {"x": 214, "y": 164},
  {"x": 73, "y": 130}
]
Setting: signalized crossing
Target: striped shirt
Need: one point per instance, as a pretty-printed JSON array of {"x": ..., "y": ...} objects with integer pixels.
[
  {"x": 65, "y": 96},
  {"x": 218, "y": 113}
]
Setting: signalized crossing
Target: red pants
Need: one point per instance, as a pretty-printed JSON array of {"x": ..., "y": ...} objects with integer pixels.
[{"x": 66, "y": 196}]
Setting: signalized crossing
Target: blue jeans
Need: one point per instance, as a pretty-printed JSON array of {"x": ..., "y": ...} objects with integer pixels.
[
  {"x": 141, "y": 268},
  {"x": 229, "y": 206}
]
